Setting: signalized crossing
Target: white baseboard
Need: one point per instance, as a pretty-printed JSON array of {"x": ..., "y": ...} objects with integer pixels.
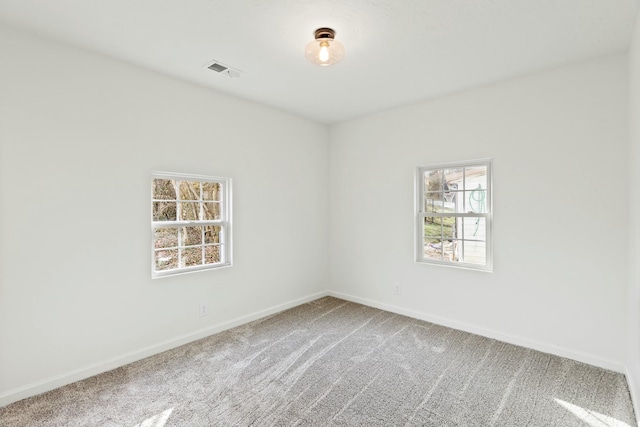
[
  {"x": 107, "y": 365},
  {"x": 511, "y": 339}
]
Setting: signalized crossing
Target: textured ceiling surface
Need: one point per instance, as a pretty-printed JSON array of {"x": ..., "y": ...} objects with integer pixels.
[{"x": 397, "y": 51}]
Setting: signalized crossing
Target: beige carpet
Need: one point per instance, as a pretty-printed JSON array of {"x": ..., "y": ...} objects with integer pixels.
[{"x": 335, "y": 363}]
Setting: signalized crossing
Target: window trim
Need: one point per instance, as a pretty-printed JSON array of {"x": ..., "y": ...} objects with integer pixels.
[
  {"x": 420, "y": 215},
  {"x": 226, "y": 251}
]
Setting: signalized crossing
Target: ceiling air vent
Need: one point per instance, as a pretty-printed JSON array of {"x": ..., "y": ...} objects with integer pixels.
[
  {"x": 217, "y": 67},
  {"x": 223, "y": 69}
]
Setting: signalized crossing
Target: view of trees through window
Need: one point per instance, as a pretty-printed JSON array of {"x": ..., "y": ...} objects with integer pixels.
[{"x": 187, "y": 223}]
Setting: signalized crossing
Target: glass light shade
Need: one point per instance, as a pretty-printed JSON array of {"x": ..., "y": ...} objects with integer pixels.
[{"x": 324, "y": 51}]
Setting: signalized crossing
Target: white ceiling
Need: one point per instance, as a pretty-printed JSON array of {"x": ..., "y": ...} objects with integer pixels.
[{"x": 397, "y": 51}]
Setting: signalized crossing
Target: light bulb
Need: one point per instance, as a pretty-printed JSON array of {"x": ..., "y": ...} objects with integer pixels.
[
  {"x": 324, "y": 50},
  {"x": 323, "y": 55}
]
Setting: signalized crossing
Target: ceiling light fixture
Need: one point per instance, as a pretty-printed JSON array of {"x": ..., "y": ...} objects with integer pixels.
[{"x": 324, "y": 50}]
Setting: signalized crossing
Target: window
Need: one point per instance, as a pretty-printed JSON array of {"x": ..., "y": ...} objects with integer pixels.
[
  {"x": 191, "y": 223},
  {"x": 453, "y": 218}
]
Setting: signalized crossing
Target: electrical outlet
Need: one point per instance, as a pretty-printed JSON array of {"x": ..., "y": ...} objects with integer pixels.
[
  {"x": 203, "y": 309},
  {"x": 397, "y": 289}
]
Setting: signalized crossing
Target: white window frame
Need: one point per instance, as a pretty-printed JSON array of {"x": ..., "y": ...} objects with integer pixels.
[
  {"x": 421, "y": 215},
  {"x": 224, "y": 223}
]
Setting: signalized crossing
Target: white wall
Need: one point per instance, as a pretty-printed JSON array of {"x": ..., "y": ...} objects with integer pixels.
[
  {"x": 558, "y": 140},
  {"x": 633, "y": 358},
  {"x": 79, "y": 136}
]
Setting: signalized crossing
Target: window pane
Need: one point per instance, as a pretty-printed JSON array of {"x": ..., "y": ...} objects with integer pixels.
[
  {"x": 210, "y": 191},
  {"x": 450, "y": 200},
  {"x": 453, "y": 179},
  {"x": 433, "y": 202},
  {"x": 211, "y": 254},
  {"x": 432, "y": 228},
  {"x": 446, "y": 250},
  {"x": 189, "y": 190},
  {"x": 189, "y": 211},
  {"x": 191, "y": 236},
  {"x": 165, "y": 237},
  {"x": 433, "y": 180},
  {"x": 475, "y": 252},
  {"x": 433, "y": 248},
  {"x": 474, "y": 228},
  {"x": 192, "y": 256},
  {"x": 164, "y": 211},
  {"x": 447, "y": 203},
  {"x": 164, "y": 189},
  {"x": 211, "y": 210},
  {"x": 167, "y": 259},
  {"x": 439, "y": 233},
  {"x": 476, "y": 200},
  {"x": 212, "y": 234},
  {"x": 474, "y": 176},
  {"x": 453, "y": 182},
  {"x": 440, "y": 227}
]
